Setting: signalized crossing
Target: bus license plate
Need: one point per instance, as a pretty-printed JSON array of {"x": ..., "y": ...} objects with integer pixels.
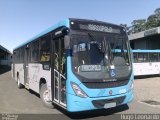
[{"x": 110, "y": 105}]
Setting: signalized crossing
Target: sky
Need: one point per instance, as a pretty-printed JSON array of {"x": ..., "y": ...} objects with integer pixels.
[{"x": 21, "y": 20}]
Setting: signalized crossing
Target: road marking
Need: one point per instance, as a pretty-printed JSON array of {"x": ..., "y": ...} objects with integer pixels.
[{"x": 157, "y": 106}]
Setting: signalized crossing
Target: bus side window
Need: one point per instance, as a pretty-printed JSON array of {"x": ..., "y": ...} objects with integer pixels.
[
  {"x": 135, "y": 57},
  {"x": 158, "y": 57},
  {"x": 153, "y": 57},
  {"x": 63, "y": 61},
  {"x": 17, "y": 56},
  {"x": 140, "y": 57},
  {"x": 56, "y": 55},
  {"x": 35, "y": 52},
  {"x": 45, "y": 49},
  {"x": 145, "y": 57}
]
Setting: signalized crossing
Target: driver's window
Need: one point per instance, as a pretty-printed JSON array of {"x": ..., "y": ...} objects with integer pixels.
[{"x": 63, "y": 58}]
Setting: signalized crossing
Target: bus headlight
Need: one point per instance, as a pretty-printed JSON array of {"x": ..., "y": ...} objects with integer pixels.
[
  {"x": 131, "y": 87},
  {"x": 78, "y": 91}
]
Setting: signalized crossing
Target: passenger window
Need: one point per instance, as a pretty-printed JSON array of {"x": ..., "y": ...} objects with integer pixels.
[
  {"x": 45, "y": 49},
  {"x": 35, "y": 52},
  {"x": 56, "y": 55},
  {"x": 153, "y": 57},
  {"x": 63, "y": 58},
  {"x": 21, "y": 54},
  {"x": 135, "y": 57},
  {"x": 143, "y": 57},
  {"x": 18, "y": 55}
]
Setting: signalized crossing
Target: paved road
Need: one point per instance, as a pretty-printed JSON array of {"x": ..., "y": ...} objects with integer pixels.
[{"x": 13, "y": 100}]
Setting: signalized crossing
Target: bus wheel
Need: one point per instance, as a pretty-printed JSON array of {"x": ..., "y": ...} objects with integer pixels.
[
  {"x": 19, "y": 84},
  {"x": 44, "y": 94}
]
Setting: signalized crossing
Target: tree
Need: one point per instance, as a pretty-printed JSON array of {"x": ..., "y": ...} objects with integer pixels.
[
  {"x": 152, "y": 21},
  {"x": 138, "y": 25},
  {"x": 157, "y": 13},
  {"x": 142, "y": 24}
]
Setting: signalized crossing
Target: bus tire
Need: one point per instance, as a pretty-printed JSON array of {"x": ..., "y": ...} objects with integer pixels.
[
  {"x": 44, "y": 95},
  {"x": 19, "y": 84}
]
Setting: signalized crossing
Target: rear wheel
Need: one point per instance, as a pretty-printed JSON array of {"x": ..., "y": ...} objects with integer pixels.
[
  {"x": 44, "y": 94},
  {"x": 19, "y": 84}
]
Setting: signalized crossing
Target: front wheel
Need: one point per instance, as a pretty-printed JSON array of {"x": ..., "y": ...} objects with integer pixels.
[{"x": 44, "y": 94}]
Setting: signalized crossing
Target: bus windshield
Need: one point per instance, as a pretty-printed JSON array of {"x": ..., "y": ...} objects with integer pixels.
[{"x": 93, "y": 54}]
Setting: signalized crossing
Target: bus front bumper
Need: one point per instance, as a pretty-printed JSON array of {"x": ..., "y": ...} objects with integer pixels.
[{"x": 76, "y": 104}]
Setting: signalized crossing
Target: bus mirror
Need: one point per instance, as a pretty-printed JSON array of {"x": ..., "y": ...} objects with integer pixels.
[
  {"x": 67, "y": 42},
  {"x": 64, "y": 30}
]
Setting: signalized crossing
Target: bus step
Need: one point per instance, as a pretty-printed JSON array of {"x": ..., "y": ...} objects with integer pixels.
[{"x": 27, "y": 86}]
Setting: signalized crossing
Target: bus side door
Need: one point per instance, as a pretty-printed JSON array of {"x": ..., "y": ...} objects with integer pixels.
[
  {"x": 59, "y": 68},
  {"x": 26, "y": 61}
]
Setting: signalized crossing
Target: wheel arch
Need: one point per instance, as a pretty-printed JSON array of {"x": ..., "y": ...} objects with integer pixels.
[
  {"x": 17, "y": 75},
  {"x": 42, "y": 81}
]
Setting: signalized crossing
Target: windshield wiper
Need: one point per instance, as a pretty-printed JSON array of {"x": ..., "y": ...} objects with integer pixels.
[
  {"x": 107, "y": 50},
  {"x": 94, "y": 41},
  {"x": 104, "y": 47}
]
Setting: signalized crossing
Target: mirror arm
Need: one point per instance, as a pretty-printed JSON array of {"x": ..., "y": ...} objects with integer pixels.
[{"x": 67, "y": 42}]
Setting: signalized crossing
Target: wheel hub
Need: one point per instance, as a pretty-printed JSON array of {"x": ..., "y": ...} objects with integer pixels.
[{"x": 46, "y": 96}]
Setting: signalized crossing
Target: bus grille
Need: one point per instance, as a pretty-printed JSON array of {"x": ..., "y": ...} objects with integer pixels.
[
  {"x": 101, "y": 85},
  {"x": 101, "y": 103}
]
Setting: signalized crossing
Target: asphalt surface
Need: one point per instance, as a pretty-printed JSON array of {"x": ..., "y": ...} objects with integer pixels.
[{"x": 24, "y": 102}]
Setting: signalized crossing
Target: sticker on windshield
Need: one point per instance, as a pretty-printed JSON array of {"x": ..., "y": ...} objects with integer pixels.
[
  {"x": 89, "y": 68},
  {"x": 112, "y": 72}
]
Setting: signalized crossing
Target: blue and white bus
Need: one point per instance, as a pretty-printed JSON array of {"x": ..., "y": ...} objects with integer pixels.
[
  {"x": 146, "y": 62},
  {"x": 74, "y": 65}
]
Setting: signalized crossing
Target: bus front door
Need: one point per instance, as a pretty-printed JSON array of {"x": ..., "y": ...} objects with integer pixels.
[
  {"x": 59, "y": 71},
  {"x": 26, "y": 60}
]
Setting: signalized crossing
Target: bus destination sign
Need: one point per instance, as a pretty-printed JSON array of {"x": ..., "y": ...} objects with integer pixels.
[
  {"x": 99, "y": 28},
  {"x": 95, "y": 26}
]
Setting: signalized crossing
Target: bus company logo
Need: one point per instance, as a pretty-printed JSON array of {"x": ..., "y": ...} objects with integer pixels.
[{"x": 110, "y": 92}]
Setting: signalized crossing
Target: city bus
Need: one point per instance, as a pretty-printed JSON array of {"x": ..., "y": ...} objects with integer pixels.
[
  {"x": 146, "y": 62},
  {"x": 75, "y": 65}
]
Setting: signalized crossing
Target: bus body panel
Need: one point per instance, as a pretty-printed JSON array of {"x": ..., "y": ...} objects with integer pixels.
[
  {"x": 76, "y": 103},
  {"x": 36, "y": 73},
  {"x": 146, "y": 62},
  {"x": 19, "y": 72},
  {"x": 150, "y": 68}
]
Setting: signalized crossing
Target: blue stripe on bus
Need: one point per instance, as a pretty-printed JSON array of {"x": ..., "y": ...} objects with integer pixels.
[
  {"x": 62, "y": 23},
  {"x": 145, "y": 51}
]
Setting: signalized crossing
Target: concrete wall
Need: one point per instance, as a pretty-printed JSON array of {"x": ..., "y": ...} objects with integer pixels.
[
  {"x": 149, "y": 42},
  {"x": 140, "y": 44},
  {"x": 149, "y": 39}
]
